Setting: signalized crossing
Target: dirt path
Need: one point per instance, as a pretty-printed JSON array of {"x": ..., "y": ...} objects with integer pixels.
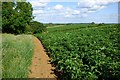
[{"x": 40, "y": 67}]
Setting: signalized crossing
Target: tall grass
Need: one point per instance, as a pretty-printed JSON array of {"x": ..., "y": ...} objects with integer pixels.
[
  {"x": 0, "y": 56},
  {"x": 17, "y": 54}
]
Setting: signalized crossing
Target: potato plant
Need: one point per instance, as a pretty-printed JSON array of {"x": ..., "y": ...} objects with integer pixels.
[{"x": 84, "y": 54}]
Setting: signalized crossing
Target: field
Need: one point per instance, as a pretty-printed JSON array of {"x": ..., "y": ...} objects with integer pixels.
[
  {"x": 17, "y": 54},
  {"x": 83, "y": 52},
  {"x": 67, "y": 27}
]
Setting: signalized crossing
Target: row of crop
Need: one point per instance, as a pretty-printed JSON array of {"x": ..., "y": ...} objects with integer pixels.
[{"x": 84, "y": 54}]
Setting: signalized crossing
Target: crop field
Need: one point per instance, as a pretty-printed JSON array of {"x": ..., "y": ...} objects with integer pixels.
[
  {"x": 17, "y": 54},
  {"x": 83, "y": 52},
  {"x": 67, "y": 27}
]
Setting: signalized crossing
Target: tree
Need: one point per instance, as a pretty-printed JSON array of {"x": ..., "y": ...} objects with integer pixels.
[
  {"x": 0, "y": 17},
  {"x": 15, "y": 16},
  {"x": 93, "y": 23},
  {"x": 101, "y": 24},
  {"x": 37, "y": 27}
]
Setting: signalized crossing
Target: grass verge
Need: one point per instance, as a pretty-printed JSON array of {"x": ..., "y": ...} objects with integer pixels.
[{"x": 17, "y": 54}]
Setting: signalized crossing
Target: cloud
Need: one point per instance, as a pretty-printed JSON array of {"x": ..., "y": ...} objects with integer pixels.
[
  {"x": 76, "y": 12},
  {"x": 38, "y": 11},
  {"x": 68, "y": 15},
  {"x": 38, "y": 6},
  {"x": 46, "y": 13},
  {"x": 58, "y": 7},
  {"x": 65, "y": 11},
  {"x": 69, "y": 12},
  {"x": 96, "y": 8},
  {"x": 39, "y": 3},
  {"x": 94, "y": 5}
]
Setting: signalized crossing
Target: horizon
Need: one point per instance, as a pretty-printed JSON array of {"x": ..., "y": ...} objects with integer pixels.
[{"x": 79, "y": 23}]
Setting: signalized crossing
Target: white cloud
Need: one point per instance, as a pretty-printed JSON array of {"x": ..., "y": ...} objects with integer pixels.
[
  {"x": 38, "y": 11},
  {"x": 39, "y": 3},
  {"x": 96, "y": 8},
  {"x": 95, "y": 5},
  {"x": 84, "y": 15},
  {"x": 58, "y": 7},
  {"x": 76, "y": 12},
  {"x": 65, "y": 11},
  {"x": 69, "y": 12},
  {"x": 43, "y": 12},
  {"x": 68, "y": 15},
  {"x": 38, "y": 6}
]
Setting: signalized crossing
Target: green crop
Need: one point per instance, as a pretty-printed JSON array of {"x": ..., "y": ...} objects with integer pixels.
[{"x": 85, "y": 53}]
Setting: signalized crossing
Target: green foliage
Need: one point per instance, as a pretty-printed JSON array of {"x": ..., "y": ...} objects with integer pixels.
[
  {"x": 93, "y": 23},
  {"x": 101, "y": 24},
  {"x": 84, "y": 53},
  {"x": 36, "y": 27},
  {"x": 17, "y": 54},
  {"x": 0, "y": 17},
  {"x": 15, "y": 16}
]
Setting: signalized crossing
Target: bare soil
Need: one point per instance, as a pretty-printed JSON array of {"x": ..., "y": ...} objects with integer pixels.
[{"x": 40, "y": 67}]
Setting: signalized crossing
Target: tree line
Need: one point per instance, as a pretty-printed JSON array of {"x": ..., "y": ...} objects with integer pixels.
[{"x": 17, "y": 18}]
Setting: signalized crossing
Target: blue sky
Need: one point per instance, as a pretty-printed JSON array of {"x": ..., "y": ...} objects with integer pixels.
[{"x": 75, "y": 11}]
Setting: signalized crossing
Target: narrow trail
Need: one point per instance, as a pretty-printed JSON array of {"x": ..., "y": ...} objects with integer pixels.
[{"x": 40, "y": 67}]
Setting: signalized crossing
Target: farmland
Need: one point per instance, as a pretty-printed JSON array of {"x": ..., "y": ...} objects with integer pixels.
[
  {"x": 17, "y": 52},
  {"x": 82, "y": 52},
  {"x": 64, "y": 40}
]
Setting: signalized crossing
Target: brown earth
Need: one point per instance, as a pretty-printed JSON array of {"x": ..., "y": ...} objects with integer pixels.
[{"x": 40, "y": 67}]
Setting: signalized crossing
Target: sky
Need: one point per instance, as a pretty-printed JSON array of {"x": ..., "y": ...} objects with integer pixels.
[{"x": 75, "y": 11}]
